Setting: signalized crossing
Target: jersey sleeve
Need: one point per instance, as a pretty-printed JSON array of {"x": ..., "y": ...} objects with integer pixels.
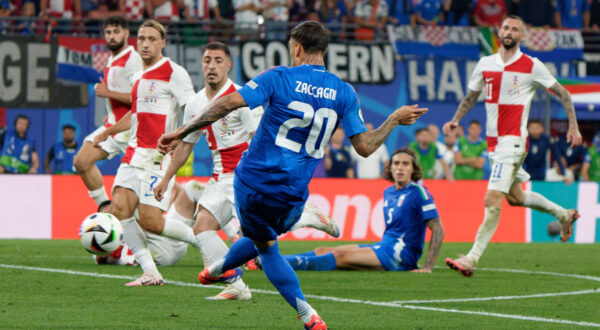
[
  {"x": 258, "y": 91},
  {"x": 352, "y": 121},
  {"x": 251, "y": 118},
  {"x": 426, "y": 205},
  {"x": 188, "y": 113},
  {"x": 541, "y": 75},
  {"x": 476, "y": 79},
  {"x": 181, "y": 86}
]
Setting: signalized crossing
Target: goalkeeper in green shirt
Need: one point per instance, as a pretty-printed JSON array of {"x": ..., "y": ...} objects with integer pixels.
[{"x": 470, "y": 154}]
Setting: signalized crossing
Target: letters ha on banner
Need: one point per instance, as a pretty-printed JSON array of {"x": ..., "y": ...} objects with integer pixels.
[{"x": 353, "y": 63}]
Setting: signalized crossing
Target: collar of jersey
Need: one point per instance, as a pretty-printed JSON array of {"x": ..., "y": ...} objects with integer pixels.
[
  {"x": 123, "y": 52},
  {"x": 157, "y": 64},
  {"x": 513, "y": 59}
]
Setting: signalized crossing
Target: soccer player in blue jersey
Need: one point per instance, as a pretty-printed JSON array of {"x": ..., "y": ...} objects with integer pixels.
[
  {"x": 408, "y": 209},
  {"x": 304, "y": 105}
]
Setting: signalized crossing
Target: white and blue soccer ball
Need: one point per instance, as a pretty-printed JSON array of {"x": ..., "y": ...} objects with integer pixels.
[{"x": 101, "y": 233}]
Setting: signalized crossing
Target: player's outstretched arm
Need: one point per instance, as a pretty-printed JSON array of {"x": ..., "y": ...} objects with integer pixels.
[
  {"x": 367, "y": 142},
  {"x": 180, "y": 155},
  {"x": 463, "y": 108},
  {"x": 437, "y": 236},
  {"x": 214, "y": 112},
  {"x": 122, "y": 125},
  {"x": 573, "y": 135}
]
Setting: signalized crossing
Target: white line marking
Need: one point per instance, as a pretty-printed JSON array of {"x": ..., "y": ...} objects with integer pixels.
[
  {"x": 539, "y": 295},
  {"x": 521, "y": 271},
  {"x": 343, "y": 300}
]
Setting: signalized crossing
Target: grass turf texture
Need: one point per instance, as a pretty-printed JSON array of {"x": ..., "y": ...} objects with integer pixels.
[{"x": 34, "y": 299}]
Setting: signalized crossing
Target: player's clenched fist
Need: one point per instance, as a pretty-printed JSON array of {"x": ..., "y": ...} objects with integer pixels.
[
  {"x": 168, "y": 142},
  {"x": 408, "y": 114},
  {"x": 101, "y": 89}
]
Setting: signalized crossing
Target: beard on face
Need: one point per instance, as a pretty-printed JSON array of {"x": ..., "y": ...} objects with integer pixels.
[
  {"x": 116, "y": 46},
  {"x": 509, "y": 44}
]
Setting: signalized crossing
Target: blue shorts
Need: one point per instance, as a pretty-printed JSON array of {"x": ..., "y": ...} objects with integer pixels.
[
  {"x": 263, "y": 218},
  {"x": 392, "y": 255}
]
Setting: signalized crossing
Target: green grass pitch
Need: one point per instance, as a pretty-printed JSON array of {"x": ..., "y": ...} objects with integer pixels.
[{"x": 55, "y": 284}]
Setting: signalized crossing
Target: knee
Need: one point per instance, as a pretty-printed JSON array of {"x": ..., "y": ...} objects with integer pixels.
[
  {"x": 80, "y": 164},
  {"x": 493, "y": 198},
  {"x": 152, "y": 226}
]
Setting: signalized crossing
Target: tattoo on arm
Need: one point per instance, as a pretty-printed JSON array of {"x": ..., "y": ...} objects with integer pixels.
[
  {"x": 565, "y": 99},
  {"x": 367, "y": 142},
  {"x": 437, "y": 235},
  {"x": 214, "y": 112},
  {"x": 466, "y": 105}
]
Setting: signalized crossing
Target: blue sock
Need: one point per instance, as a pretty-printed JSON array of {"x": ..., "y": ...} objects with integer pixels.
[
  {"x": 283, "y": 277},
  {"x": 324, "y": 262},
  {"x": 305, "y": 254},
  {"x": 239, "y": 253}
]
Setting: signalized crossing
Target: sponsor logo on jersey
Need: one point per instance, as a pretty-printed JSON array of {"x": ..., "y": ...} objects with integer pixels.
[
  {"x": 516, "y": 80},
  {"x": 150, "y": 99},
  {"x": 252, "y": 84}
]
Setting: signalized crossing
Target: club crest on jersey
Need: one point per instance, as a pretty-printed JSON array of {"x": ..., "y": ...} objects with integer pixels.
[
  {"x": 153, "y": 86},
  {"x": 224, "y": 122},
  {"x": 401, "y": 200},
  {"x": 516, "y": 80}
]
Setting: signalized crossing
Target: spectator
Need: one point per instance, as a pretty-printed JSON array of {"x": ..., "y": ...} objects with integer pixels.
[
  {"x": 277, "y": 15},
  {"x": 572, "y": 14},
  {"x": 18, "y": 151},
  {"x": 371, "y": 16},
  {"x": 539, "y": 145},
  {"x": 401, "y": 11},
  {"x": 438, "y": 172},
  {"x": 27, "y": 26},
  {"x": 448, "y": 154},
  {"x": 338, "y": 162},
  {"x": 591, "y": 164},
  {"x": 429, "y": 12},
  {"x": 105, "y": 9},
  {"x": 470, "y": 154},
  {"x": 62, "y": 153},
  {"x": 568, "y": 162},
  {"x": 134, "y": 9},
  {"x": 61, "y": 9},
  {"x": 457, "y": 12},
  {"x": 427, "y": 154},
  {"x": 4, "y": 12},
  {"x": 167, "y": 10},
  {"x": 335, "y": 15},
  {"x": 538, "y": 13},
  {"x": 460, "y": 130},
  {"x": 512, "y": 6},
  {"x": 372, "y": 166},
  {"x": 246, "y": 18},
  {"x": 595, "y": 15},
  {"x": 489, "y": 13}
]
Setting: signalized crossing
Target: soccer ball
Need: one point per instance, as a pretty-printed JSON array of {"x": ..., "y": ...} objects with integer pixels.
[
  {"x": 553, "y": 228},
  {"x": 101, "y": 233}
]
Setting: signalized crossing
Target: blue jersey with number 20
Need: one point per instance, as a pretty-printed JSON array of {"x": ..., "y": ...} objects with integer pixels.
[{"x": 304, "y": 105}]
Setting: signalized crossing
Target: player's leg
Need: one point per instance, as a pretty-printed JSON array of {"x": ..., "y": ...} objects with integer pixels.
[
  {"x": 352, "y": 257},
  {"x": 84, "y": 163},
  {"x": 165, "y": 251},
  {"x": 312, "y": 217},
  {"x": 536, "y": 201}
]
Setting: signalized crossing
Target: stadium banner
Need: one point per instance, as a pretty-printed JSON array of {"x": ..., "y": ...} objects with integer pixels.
[
  {"x": 83, "y": 59},
  {"x": 27, "y": 71},
  {"x": 371, "y": 63},
  {"x": 470, "y": 42},
  {"x": 25, "y": 201}
]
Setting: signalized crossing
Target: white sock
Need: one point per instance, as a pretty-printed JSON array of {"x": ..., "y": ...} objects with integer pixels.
[
  {"x": 305, "y": 311},
  {"x": 231, "y": 229},
  {"x": 136, "y": 240},
  {"x": 99, "y": 195},
  {"x": 540, "y": 203},
  {"x": 485, "y": 233},
  {"x": 178, "y": 230}
]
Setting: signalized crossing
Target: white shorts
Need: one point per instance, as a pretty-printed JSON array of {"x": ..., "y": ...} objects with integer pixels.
[
  {"x": 193, "y": 190},
  {"x": 165, "y": 251},
  {"x": 217, "y": 198},
  {"x": 141, "y": 182},
  {"x": 506, "y": 170},
  {"x": 113, "y": 145}
]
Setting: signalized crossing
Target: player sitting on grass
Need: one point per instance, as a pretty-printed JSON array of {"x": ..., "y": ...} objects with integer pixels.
[{"x": 408, "y": 209}]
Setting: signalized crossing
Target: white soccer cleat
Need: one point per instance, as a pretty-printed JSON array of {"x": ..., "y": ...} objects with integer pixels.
[
  {"x": 231, "y": 293},
  {"x": 320, "y": 221},
  {"x": 146, "y": 280},
  {"x": 566, "y": 224},
  {"x": 462, "y": 265}
]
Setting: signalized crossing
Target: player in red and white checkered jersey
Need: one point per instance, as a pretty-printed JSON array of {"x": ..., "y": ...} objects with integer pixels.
[
  {"x": 159, "y": 93},
  {"x": 509, "y": 79},
  {"x": 134, "y": 9},
  {"x": 116, "y": 86}
]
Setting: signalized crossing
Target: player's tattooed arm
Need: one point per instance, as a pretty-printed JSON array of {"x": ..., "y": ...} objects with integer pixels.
[
  {"x": 437, "y": 236},
  {"x": 214, "y": 112},
  {"x": 466, "y": 105},
  {"x": 367, "y": 142},
  {"x": 573, "y": 134}
]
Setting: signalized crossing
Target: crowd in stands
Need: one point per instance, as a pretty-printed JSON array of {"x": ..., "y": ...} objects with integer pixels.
[{"x": 359, "y": 19}]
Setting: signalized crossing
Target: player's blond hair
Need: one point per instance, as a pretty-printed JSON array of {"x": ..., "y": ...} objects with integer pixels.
[{"x": 162, "y": 30}]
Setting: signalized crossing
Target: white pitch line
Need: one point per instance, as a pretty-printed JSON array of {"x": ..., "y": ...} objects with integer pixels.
[
  {"x": 327, "y": 298},
  {"x": 521, "y": 271},
  {"x": 537, "y": 295}
]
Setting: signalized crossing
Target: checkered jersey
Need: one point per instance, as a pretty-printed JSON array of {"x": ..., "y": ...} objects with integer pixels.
[
  {"x": 156, "y": 98},
  {"x": 134, "y": 9},
  {"x": 509, "y": 89},
  {"x": 59, "y": 8},
  {"x": 229, "y": 136},
  {"x": 118, "y": 76}
]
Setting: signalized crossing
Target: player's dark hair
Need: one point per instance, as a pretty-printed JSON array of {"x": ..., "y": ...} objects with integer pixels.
[
  {"x": 423, "y": 129},
  {"x": 116, "y": 21},
  {"x": 474, "y": 122},
  {"x": 534, "y": 121},
  {"x": 22, "y": 116},
  {"x": 312, "y": 36},
  {"x": 216, "y": 45},
  {"x": 416, "y": 174},
  {"x": 103, "y": 205},
  {"x": 68, "y": 126}
]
